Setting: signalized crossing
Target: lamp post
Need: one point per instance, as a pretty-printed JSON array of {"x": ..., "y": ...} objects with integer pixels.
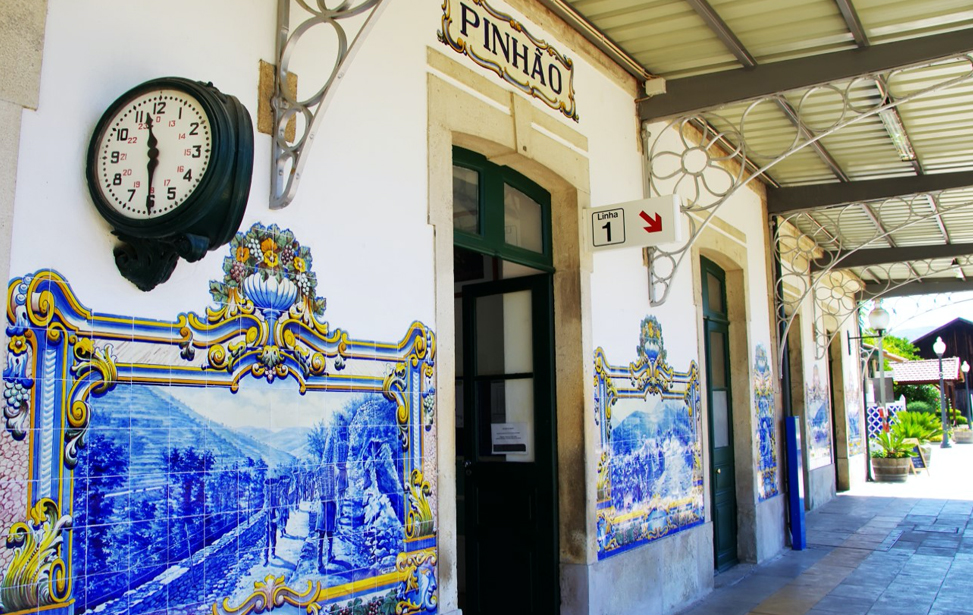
[
  {"x": 878, "y": 320},
  {"x": 940, "y": 348},
  {"x": 966, "y": 379}
]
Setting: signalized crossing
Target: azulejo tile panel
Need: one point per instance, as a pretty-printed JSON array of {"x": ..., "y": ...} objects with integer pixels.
[
  {"x": 766, "y": 425},
  {"x": 244, "y": 460},
  {"x": 650, "y": 475},
  {"x": 853, "y": 412},
  {"x": 818, "y": 418}
]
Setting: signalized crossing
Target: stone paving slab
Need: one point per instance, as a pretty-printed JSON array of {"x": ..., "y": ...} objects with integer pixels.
[{"x": 882, "y": 549}]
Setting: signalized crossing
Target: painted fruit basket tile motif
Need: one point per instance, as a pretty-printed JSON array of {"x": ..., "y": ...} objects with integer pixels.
[
  {"x": 650, "y": 476},
  {"x": 818, "y": 422},
  {"x": 764, "y": 419},
  {"x": 244, "y": 460}
]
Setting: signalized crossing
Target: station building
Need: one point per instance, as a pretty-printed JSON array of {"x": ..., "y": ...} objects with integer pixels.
[{"x": 416, "y": 355}]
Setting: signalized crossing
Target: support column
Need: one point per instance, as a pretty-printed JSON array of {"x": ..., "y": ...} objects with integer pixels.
[{"x": 22, "y": 25}]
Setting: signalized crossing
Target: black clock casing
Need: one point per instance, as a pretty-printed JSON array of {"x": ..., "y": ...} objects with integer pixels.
[{"x": 206, "y": 218}]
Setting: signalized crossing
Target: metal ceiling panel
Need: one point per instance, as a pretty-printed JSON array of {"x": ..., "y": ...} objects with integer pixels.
[
  {"x": 940, "y": 125},
  {"x": 772, "y": 30},
  {"x": 768, "y": 134},
  {"x": 889, "y": 20},
  {"x": 667, "y": 37},
  {"x": 957, "y": 206}
]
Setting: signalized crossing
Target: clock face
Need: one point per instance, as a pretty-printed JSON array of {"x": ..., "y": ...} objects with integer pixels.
[{"x": 152, "y": 153}]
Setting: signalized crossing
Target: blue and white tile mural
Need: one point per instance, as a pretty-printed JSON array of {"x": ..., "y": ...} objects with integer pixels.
[
  {"x": 818, "y": 422},
  {"x": 853, "y": 412},
  {"x": 241, "y": 461},
  {"x": 650, "y": 475},
  {"x": 765, "y": 420}
]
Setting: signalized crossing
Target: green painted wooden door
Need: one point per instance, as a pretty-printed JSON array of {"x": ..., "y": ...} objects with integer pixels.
[
  {"x": 509, "y": 450},
  {"x": 718, "y": 395}
]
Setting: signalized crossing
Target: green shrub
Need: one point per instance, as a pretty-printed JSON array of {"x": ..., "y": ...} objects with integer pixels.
[
  {"x": 920, "y": 406},
  {"x": 922, "y": 426},
  {"x": 918, "y": 392},
  {"x": 955, "y": 417}
]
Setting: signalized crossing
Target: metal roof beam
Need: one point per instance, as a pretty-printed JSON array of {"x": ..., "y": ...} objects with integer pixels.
[
  {"x": 818, "y": 147},
  {"x": 743, "y": 56},
  {"x": 722, "y": 32},
  {"x": 919, "y": 287},
  {"x": 867, "y": 257},
  {"x": 853, "y": 23},
  {"x": 883, "y": 232},
  {"x": 939, "y": 218},
  {"x": 699, "y": 92},
  {"x": 796, "y": 198},
  {"x": 597, "y": 38}
]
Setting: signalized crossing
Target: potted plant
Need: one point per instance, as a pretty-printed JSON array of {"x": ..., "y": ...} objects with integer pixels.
[
  {"x": 920, "y": 426},
  {"x": 962, "y": 433},
  {"x": 891, "y": 458}
]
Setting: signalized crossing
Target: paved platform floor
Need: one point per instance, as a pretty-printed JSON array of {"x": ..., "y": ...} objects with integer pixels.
[{"x": 881, "y": 549}]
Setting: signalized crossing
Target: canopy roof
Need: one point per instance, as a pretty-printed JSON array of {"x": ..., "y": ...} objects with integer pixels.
[
  {"x": 927, "y": 371},
  {"x": 889, "y": 196}
]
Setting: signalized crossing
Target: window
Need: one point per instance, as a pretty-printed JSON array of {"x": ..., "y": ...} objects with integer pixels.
[{"x": 498, "y": 211}]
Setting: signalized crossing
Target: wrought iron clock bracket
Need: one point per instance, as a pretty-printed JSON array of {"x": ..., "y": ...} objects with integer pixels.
[{"x": 289, "y": 158}]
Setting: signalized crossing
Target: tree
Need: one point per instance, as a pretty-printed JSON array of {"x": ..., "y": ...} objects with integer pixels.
[
  {"x": 317, "y": 439},
  {"x": 106, "y": 472},
  {"x": 901, "y": 347},
  {"x": 918, "y": 392}
]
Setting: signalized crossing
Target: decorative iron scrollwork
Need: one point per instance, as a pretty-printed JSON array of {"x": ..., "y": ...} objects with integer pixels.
[
  {"x": 704, "y": 157},
  {"x": 289, "y": 158}
]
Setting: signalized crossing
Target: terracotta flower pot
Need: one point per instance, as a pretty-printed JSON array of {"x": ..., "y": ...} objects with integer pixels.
[{"x": 889, "y": 470}]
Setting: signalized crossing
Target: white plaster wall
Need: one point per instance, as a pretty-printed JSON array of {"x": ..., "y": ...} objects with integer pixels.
[
  {"x": 620, "y": 300},
  {"x": 361, "y": 207},
  {"x": 821, "y": 486}
]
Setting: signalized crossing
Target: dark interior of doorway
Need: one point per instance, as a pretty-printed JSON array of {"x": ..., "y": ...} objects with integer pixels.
[
  {"x": 471, "y": 267},
  {"x": 833, "y": 377}
]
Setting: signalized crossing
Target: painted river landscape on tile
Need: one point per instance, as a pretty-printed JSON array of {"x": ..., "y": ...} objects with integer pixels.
[{"x": 177, "y": 504}]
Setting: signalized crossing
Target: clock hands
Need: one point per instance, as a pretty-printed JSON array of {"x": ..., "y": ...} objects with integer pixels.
[{"x": 153, "y": 163}]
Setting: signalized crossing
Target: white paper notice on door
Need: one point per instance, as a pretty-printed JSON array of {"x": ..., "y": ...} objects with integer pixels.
[{"x": 509, "y": 438}]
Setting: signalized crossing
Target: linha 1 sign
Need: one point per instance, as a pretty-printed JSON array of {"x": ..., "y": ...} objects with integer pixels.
[
  {"x": 648, "y": 222},
  {"x": 499, "y": 43}
]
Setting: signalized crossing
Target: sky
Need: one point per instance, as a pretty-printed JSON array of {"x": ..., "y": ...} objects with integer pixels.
[
  {"x": 912, "y": 317},
  {"x": 265, "y": 406}
]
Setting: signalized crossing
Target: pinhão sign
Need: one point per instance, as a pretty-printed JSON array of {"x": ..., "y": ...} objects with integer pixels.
[{"x": 500, "y": 43}]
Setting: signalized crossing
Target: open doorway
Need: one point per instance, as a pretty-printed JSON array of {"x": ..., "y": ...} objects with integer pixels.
[{"x": 505, "y": 416}]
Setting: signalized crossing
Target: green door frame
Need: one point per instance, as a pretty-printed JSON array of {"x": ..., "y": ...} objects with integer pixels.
[{"x": 490, "y": 237}]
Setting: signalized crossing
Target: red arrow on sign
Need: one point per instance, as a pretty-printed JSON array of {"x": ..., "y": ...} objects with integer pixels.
[{"x": 654, "y": 225}]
